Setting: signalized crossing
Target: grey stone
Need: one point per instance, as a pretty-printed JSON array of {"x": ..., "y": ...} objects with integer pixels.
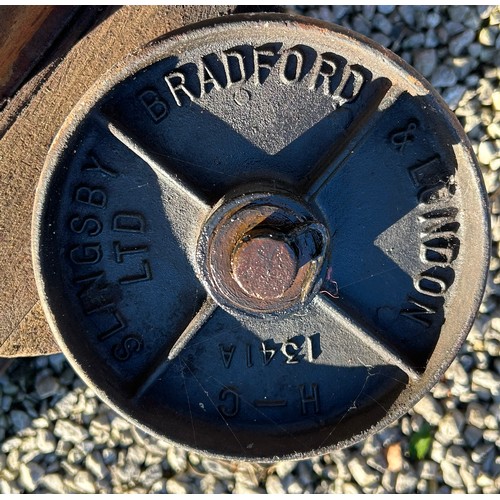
[
  {"x": 95, "y": 464},
  {"x": 177, "y": 459},
  {"x": 385, "y": 9},
  {"x": 361, "y": 25},
  {"x": 443, "y": 76},
  {"x": 340, "y": 11},
  {"x": 362, "y": 474},
  {"x": 422, "y": 486},
  {"x": 382, "y": 39},
  {"x": 458, "y": 13},
  {"x": 425, "y": 61},
  {"x": 11, "y": 444},
  {"x": 176, "y": 487},
  {"x": 450, "y": 475},
  {"x": 5, "y": 488},
  {"x": 427, "y": 469},
  {"x": 151, "y": 475},
  {"x": 100, "y": 429},
  {"x": 65, "y": 405},
  {"x": 53, "y": 483},
  {"x": 19, "y": 419},
  {"x": 390, "y": 435},
  {"x": 350, "y": 489},
  {"x": 491, "y": 422},
  {"x": 389, "y": 481},
  {"x": 454, "y": 28},
  {"x": 284, "y": 468},
  {"x": 70, "y": 431},
  {"x": 30, "y": 476},
  {"x": 475, "y": 415},
  {"x": 137, "y": 455},
  {"x": 433, "y": 20},
  {"x": 406, "y": 482},
  {"x": 369, "y": 11},
  {"x": 45, "y": 441},
  {"x": 457, "y": 455},
  {"x": 472, "y": 436},
  {"x": 383, "y": 24},
  {"x": 475, "y": 49},
  {"x": 480, "y": 452},
  {"x": 415, "y": 40},
  {"x": 429, "y": 409},
  {"x": 274, "y": 485},
  {"x": 450, "y": 427},
  {"x": 40, "y": 423},
  {"x": 12, "y": 460},
  {"x": 487, "y": 36},
  {"x": 84, "y": 482},
  {"x": 377, "y": 462},
  {"x": 453, "y": 95},
  {"x": 46, "y": 386},
  {"x": 487, "y": 151},
  {"x": 431, "y": 39},
  {"x": 407, "y": 13},
  {"x": 460, "y": 42},
  {"x": 6, "y": 403},
  {"x": 438, "y": 451}
]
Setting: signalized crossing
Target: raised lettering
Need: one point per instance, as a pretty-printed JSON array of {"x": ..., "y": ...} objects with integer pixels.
[
  {"x": 419, "y": 313},
  {"x": 208, "y": 80},
  {"x": 96, "y": 164},
  {"x": 156, "y": 107},
  {"x": 145, "y": 275},
  {"x": 291, "y": 350},
  {"x": 263, "y": 59},
  {"x": 268, "y": 352},
  {"x": 119, "y": 324},
  {"x": 90, "y": 224},
  {"x": 353, "y": 84},
  {"x": 249, "y": 356},
  {"x": 86, "y": 253},
  {"x": 323, "y": 73},
  {"x": 121, "y": 251},
  {"x": 309, "y": 399},
  {"x": 95, "y": 292},
  {"x": 430, "y": 284},
  {"x": 313, "y": 346},
  {"x": 227, "y": 353},
  {"x": 230, "y": 394},
  {"x": 129, "y": 222},
  {"x": 127, "y": 347},
  {"x": 291, "y": 65},
  {"x": 95, "y": 197},
  {"x": 176, "y": 82},
  {"x": 234, "y": 65}
]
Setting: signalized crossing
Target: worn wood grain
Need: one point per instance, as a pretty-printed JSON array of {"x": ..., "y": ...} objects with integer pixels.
[
  {"x": 23, "y": 148},
  {"x": 26, "y": 33}
]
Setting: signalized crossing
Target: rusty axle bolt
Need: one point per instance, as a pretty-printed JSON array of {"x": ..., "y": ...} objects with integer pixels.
[
  {"x": 264, "y": 266},
  {"x": 262, "y": 253}
]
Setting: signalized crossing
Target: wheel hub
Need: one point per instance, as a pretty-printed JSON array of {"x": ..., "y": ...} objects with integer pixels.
[{"x": 262, "y": 253}]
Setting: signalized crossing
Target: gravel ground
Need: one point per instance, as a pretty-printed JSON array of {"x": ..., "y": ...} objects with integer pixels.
[{"x": 56, "y": 436}]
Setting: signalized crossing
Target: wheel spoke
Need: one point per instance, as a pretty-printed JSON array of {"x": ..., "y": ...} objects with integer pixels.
[
  {"x": 338, "y": 154},
  {"x": 162, "y": 170},
  {"x": 369, "y": 337},
  {"x": 171, "y": 351}
]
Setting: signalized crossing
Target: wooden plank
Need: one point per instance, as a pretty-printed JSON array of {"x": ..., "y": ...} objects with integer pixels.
[{"x": 26, "y": 33}]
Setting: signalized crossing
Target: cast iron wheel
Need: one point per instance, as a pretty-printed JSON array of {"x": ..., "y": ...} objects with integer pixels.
[{"x": 262, "y": 237}]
